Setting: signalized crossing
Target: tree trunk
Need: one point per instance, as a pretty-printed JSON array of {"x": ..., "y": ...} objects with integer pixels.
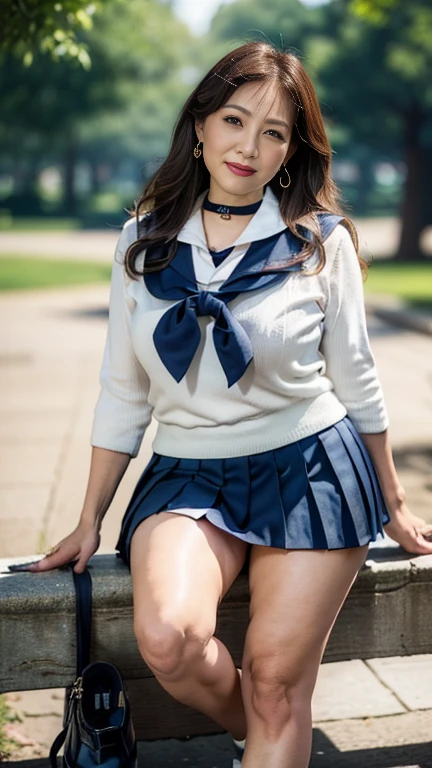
[
  {"x": 95, "y": 178},
  {"x": 25, "y": 199},
  {"x": 69, "y": 168},
  {"x": 426, "y": 164},
  {"x": 411, "y": 210}
]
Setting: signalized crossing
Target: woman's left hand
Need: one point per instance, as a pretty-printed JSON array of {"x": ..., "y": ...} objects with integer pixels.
[{"x": 411, "y": 532}]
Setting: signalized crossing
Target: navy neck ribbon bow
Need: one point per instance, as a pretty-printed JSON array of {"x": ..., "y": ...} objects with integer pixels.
[{"x": 177, "y": 334}]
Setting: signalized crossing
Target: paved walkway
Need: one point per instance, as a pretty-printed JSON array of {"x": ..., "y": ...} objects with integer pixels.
[{"x": 376, "y": 713}]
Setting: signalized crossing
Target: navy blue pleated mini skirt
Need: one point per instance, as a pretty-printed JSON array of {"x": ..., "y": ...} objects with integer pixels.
[{"x": 320, "y": 492}]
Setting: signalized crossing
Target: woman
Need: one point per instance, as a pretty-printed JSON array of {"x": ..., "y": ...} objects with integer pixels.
[{"x": 246, "y": 339}]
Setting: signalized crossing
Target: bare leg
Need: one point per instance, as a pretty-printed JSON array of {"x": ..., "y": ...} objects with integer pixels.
[
  {"x": 181, "y": 568},
  {"x": 295, "y": 598}
]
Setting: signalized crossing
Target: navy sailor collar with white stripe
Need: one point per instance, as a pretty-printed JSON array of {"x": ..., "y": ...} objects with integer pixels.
[{"x": 265, "y": 263}]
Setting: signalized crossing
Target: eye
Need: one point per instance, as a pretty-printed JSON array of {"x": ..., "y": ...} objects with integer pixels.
[
  {"x": 232, "y": 117},
  {"x": 278, "y": 135}
]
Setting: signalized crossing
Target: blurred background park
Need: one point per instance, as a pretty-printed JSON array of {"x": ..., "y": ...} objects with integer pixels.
[{"x": 89, "y": 93}]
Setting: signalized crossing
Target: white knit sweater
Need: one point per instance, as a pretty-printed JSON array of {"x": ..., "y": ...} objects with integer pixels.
[{"x": 312, "y": 360}]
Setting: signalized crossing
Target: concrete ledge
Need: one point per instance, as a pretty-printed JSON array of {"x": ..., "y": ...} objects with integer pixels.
[
  {"x": 396, "y": 312},
  {"x": 405, "y": 319},
  {"x": 387, "y": 613}
]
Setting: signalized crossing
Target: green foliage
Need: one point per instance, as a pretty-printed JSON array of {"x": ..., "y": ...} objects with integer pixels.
[
  {"x": 49, "y": 26},
  {"x": 150, "y": 49},
  {"x": 382, "y": 71},
  {"x": 121, "y": 110},
  {"x": 375, "y": 11},
  {"x": 285, "y": 23},
  {"x": 23, "y": 273},
  {"x": 132, "y": 43}
]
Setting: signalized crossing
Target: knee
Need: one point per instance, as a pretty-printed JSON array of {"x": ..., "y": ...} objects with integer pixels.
[
  {"x": 168, "y": 645},
  {"x": 278, "y": 694}
]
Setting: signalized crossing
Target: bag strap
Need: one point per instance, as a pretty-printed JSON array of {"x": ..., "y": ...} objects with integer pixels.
[
  {"x": 83, "y": 589},
  {"x": 83, "y": 594},
  {"x": 56, "y": 747}
]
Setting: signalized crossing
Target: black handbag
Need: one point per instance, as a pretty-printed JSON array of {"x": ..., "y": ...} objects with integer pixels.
[{"x": 97, "y": 724}]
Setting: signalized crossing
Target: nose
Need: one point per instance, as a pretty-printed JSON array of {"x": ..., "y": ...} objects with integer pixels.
[{"x": 248, "y": 144}]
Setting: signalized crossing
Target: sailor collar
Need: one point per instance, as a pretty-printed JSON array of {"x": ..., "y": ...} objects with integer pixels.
[{"x": 271, "y": 255}]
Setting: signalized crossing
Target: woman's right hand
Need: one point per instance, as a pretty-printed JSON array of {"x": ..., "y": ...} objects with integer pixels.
[{"x": 79, "y": 546}]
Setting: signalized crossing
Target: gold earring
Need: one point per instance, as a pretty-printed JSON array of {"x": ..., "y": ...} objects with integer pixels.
[
  {"x": 197, "y": 151},
  {"x": 285, "y": 186}
]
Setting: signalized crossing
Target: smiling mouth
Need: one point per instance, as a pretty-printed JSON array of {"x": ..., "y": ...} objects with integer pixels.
[
  {"x": 242, "y": 167},
  {"x": 240, "y": 170}
]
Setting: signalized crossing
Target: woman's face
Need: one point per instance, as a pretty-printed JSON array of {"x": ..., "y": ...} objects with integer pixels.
[{"x": 252, "y": 129}]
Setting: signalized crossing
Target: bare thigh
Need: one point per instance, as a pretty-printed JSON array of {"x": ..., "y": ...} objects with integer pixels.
[
  {"x": 181, "y": 568},
  {"x": 296, "y": 596}
]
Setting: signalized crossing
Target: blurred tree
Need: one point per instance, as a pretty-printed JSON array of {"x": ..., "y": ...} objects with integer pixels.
[
  {"x": 287, "y": 23},
  {"x": 27, "y": 26},
  {"x": 382, "y": 67},
  {"x": 376, "y": 11},
  {"x": 138, "y": 50}
]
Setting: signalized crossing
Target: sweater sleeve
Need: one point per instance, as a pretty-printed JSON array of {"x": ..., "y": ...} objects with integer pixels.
[
  {"x": 345, "y": 344},
  {"x": 122, "y": 412}
]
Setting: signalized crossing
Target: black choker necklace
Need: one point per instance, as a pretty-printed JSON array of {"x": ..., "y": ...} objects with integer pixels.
[{"x": 226, "y": 211}]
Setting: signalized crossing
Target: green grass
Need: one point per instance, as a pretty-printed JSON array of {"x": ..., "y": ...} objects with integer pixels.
[
  {"x": 409, "y": 282},
  {"x": 35, "y": 224},
  {"x": 6, "y": 716},
  {"x": 21, "y": 273}
]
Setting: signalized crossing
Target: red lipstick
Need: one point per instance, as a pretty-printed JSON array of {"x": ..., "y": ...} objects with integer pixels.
[{"x": 240, "y": 170}]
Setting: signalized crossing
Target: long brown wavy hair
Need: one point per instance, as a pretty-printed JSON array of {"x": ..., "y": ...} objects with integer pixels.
[{"x": 171, "y": 192}]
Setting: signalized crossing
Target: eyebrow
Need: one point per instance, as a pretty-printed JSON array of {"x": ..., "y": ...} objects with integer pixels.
[{"x": 246, "y": 112}]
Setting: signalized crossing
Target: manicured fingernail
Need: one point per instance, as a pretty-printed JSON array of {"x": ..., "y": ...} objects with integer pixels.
[{"x": 21, "y": 567}]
